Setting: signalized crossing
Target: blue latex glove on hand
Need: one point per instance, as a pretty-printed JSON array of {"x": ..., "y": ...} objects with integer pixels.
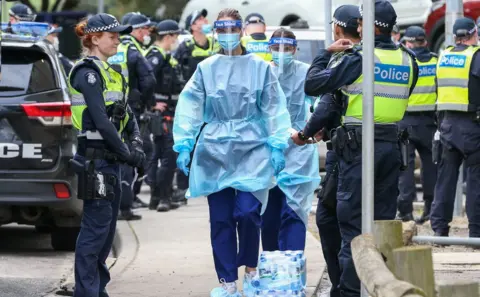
[
  {"x": 183, "y": 160},
  {"x": 278, "y": 160}
]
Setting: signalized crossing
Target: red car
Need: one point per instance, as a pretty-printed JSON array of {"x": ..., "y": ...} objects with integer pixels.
[{"x": 435, "y": 24}]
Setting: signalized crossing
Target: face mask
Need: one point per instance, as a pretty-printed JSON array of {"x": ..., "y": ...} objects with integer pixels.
[
  {"x": 229, "y": 41},
  {"x": 206, "y": 29},
  {"x": 56, "y": 43},
  {"x": 174, "y": 46},
  {"x": 282, "y": 58},
  {"x": 147, "y": 39}
]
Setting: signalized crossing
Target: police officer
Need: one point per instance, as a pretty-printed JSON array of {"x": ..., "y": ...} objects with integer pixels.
[
  {"x": 419, "y": 121},
  {"x": 189, "y": 54},
  {"x": 140, "y": 36},
  {"x": 458, "y": 82},
  {"x": 53, "y": 38},
  {"x": 255, "y": 40},
  {"x": 141, "y": 81},
  {"x": 169, "y": 85},
  {"x": 395, "y": 81},
  {"x": 100, "y": 113},
  {"x": 326, "y": 117},
  {"x": 21, "y": 13}
]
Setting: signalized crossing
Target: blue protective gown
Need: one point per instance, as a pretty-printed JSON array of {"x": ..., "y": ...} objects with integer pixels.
[
  {"x": 244, "y": 108},
  {"x": 301, "y": 175}
]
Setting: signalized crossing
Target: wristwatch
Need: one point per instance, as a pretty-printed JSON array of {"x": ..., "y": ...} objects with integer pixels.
[{"x": 302, "y": 136}]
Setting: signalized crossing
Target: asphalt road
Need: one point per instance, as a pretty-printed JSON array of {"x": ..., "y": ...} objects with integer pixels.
[{"x": 29, "y": 267}]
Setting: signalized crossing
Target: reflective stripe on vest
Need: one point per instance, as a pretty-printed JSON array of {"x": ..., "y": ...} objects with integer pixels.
[
  {"x": 130, "y": 40},
  {"x": 424, "y": 95},
  {"x": 453, "y": 72},
  {"x": 393, "y": 79},
  {"x": 198, "y": 52},
  {"x": 258, "y": 47},
  {"x": 121, "y": 58},
  {"x": 113, "y": 92}
]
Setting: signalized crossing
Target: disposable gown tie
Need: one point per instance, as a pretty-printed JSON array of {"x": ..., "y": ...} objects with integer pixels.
[
  {"x": 301, "y": 176},
  {"x": 244, "y": 107}
]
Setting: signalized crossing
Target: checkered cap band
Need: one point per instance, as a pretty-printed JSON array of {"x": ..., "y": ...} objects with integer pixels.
[
  {"x": 377, "y": 23},
  {"x": 169, "y": 32},
  {"x": 339, "y": 23},
  {"x": 102, "y": 28}
]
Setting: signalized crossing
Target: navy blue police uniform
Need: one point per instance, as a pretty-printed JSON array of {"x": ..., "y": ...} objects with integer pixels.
[
  {"x": 100, "y": 146},
  {"x": 460, "y": 138},
  {"x": 169, "y": 85},
  {"x": 327, "y": 116},
  {"x": 323, "y": 80},
  {"x": 420, "y": 122}
]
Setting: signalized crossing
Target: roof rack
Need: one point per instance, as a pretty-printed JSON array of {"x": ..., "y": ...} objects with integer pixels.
[{"x": 24, "y": 31}]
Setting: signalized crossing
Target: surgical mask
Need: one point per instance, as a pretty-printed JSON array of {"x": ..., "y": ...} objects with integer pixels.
[
  {"x": 56, "y": 43},
  {"x": 147, "y": 39},
  {"x": 282, "y": 58},
  {"x": 174, "y": 46},
  {"x": 206, "y": 29},
  {"x": 229, "y": 41}
]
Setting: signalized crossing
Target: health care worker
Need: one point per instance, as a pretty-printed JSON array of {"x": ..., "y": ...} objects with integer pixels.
[
  {"x": 286, "y": 217},
  {"x": 101, "y": 114},
  {"x": 239, "y": 150}
]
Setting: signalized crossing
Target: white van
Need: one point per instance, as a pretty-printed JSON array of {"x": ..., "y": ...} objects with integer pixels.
[{"x": 286, "y": 12}]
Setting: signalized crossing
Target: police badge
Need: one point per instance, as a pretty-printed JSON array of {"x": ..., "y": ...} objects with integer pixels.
[{"x": 91, "y": 78}]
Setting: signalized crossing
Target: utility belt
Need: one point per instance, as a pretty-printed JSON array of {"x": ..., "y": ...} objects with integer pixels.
[
  {"x": 93, "y": 185},
  {"x": 347, "y": 140},
  {"x": 162, "y": 97},
  {"x": 420, "y": 113},
  {"x": 91, "y": 146},
  {"x": 474, "y": 116}
]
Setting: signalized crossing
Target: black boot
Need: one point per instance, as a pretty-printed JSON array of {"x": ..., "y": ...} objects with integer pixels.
[
  {"x": 137, "y": 203},
  {"x": 128, "y": 215},
  {"x": 426, "y": 212},
  {"x": 178, "y": 197},
  {"x": 405, "y": 217},
  {"x": 153, "y": 203},
  {"x": 163, "y": 205}
]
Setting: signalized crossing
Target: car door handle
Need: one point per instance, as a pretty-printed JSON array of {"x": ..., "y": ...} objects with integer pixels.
[{"x": 245, "y": 3}]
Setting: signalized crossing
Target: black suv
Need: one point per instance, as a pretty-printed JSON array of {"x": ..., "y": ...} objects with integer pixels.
[{"x": 36, "y": 141}]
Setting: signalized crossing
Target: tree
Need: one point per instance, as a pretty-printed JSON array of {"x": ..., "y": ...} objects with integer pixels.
[{"x": 51, "y": 5}]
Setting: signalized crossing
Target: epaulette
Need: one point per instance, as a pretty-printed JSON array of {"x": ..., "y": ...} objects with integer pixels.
[{"x": 408, "y": 51}]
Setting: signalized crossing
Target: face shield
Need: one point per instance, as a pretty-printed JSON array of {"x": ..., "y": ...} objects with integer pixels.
[
  {"x": 228, "y": 35},
  {"x": 283, "y": 50}
]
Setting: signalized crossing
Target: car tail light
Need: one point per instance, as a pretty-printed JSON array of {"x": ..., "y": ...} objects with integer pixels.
[
  {"x": 50, "y": 113},
  {"x": 61, "y": 191}
]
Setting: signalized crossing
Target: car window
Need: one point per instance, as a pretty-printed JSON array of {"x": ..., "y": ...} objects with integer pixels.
[
  {"x": 308, "y": 50},
  {"x": 25, "y": 71}
]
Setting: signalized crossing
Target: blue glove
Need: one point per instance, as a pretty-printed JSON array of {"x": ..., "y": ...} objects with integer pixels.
[
  {"x": 183, "y": 160},
  {"x": 278, "y": 160}
]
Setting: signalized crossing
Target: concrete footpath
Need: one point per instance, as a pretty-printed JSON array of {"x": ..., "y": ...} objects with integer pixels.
[{"x": 169, "y": 254}]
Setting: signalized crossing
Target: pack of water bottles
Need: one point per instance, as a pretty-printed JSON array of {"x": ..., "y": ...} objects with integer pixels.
[{"x": 281, "y": 273}]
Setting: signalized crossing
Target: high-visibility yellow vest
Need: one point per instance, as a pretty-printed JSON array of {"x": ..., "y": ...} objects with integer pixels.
[
  {"x": 173, "y": 62},
  {"x": 115, "y": 89},
  {"x": 453, "y": 72},
  {"x": 198, "y": 52},
  {"x": 121, "y": 58},
  {"x": 393, "y": 79},
  {"x": 424, "y": 95},
  {"x": 258, "y": 47},
  {"x": 129, "y": 39}
]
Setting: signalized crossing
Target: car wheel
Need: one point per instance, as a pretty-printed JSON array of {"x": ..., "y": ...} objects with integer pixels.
[
  {"x": 64, "y": 238},
  {"x": 43, "y": 229},
  {"x": 439, "y": 44}
]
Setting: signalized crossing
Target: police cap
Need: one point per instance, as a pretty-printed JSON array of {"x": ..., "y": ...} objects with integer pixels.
[
  {"x": 139, "y": 20},
  {"x": 415, "y": 33},
  {"x": 385, "y": 15},
  {"x": 464, "y": 27},
  {"x": 126, "y": 18},
  {"x": 167, "y": 27},
  {"x": 195, "y": 16},
  {"x": 254, "y": 18},
  {"x": 22, "y": 12},
  {"x": 103, "y": 22},
  {"x": 346, "y": 16}
]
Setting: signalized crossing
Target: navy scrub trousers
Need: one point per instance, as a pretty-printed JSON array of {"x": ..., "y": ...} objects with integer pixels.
[
  {"x": 282, "y": 228},
  {"x": 460, "y": 137},
  {"x": 96, "y": 238},
  {"x": 231, "y": 211}
]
